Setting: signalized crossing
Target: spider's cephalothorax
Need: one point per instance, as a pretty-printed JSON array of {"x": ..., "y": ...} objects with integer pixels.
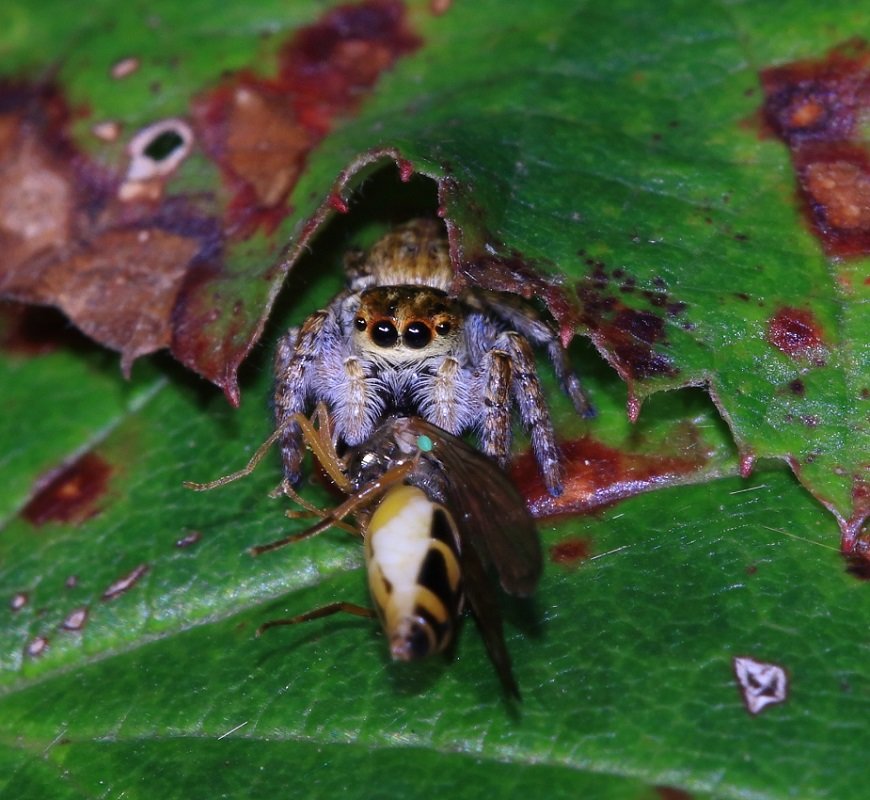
[{"x": 397, "y": 340}]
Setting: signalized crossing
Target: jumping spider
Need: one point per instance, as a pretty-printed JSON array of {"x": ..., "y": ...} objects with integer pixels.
[{"x": 396, "y": 341}]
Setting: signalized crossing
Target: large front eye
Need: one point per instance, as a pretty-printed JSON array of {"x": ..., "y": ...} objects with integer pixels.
[
  {"x": 417, "y": 335},
  {"x": 384, "y": 333}
]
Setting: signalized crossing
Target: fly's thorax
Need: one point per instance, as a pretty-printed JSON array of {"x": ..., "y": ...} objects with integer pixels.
[
  {"x": 414, "y": 573},
  {"x": 405, "y": 325},
  {"x": 415, "y": 253}
]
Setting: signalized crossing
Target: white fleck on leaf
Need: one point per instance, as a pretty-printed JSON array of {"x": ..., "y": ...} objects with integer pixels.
[{"x": 761, "y": 684}]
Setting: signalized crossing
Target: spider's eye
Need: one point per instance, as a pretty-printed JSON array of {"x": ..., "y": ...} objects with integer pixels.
[
  {"x": 384, "y": 333},
  {"x": 417, "y": 335},
  {"x": 360, "y": 323},
  {"x": 442, "y": 328}
]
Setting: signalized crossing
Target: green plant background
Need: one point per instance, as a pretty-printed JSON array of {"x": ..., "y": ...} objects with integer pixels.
[{"x": 559, "y": 125}]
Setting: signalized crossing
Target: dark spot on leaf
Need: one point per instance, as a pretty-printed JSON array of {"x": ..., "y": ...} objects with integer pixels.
[
  {"x": 125, "y": 582},
  {"x": 858, "y": 566},
  {"x": 631, "y": 337},
  {"x": 797, "y": 333},
  {"x": 797, "y": 387},
  {"x": 71, "y": 495},
  {"x": 742, "y": 296},
  {"x": 597, "y": 475},
  {"x": 672, "y": 793},
  {"x": 570, "y": 552},
  {"x": 815, "y": 107}
]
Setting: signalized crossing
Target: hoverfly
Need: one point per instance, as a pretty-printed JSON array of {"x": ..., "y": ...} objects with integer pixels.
[{"x": 435, "y": 514}]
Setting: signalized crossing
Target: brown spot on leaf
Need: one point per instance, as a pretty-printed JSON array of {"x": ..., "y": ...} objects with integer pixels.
[
  {"x": 141, "y": 270},
  {"x": 672, "y": 793},
  {"x": 570, "y": 552},
  {"x": 815, "y": 107},
  {"x": 797, "y": 333},
  {"x": 631, "y": 338},
  {"x": 797, "y": 387},
  {"x": 71, "y": 495},
  {"x": 856, "y": 539},
  {"x": 113, "y": 267},
  {"x": 858, "y": 566},
  {"x": 125, "y": 582},
  {"x": 597, "y": 475},
  {"x": 260, "y": 130}
]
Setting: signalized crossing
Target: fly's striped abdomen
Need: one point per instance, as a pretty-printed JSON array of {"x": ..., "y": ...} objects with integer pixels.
[{"x": 414, "y": 574}]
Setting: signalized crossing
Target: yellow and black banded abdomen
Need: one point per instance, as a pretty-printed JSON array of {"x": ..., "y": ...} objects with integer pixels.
[{"x": 414, "y": 575}]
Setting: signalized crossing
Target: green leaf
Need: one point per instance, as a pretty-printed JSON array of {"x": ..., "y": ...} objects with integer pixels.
[
  {"x": 607, "y": 146},
  {"x": 616, "y": 130},
  {"x": 624, "y": 658}
]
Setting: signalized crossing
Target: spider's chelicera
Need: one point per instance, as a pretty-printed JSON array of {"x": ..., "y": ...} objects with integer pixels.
[{"x": 396, "y": 340}]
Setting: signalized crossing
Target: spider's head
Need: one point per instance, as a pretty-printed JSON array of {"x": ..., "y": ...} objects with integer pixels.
[{"x": 404, "y": 324}]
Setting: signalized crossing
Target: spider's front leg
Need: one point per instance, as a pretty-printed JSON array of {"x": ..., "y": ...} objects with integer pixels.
[
  {"x": 495, "y": 437},
  {"x": 524, "y": 319},
  {"x": 526, "y": 389},
  {"x": 297, "y": 349}
]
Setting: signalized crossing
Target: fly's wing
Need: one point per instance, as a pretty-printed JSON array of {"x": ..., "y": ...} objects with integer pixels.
[
  {"x": 489, "y": 512},
  {"x": 484, "y": 605}
]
